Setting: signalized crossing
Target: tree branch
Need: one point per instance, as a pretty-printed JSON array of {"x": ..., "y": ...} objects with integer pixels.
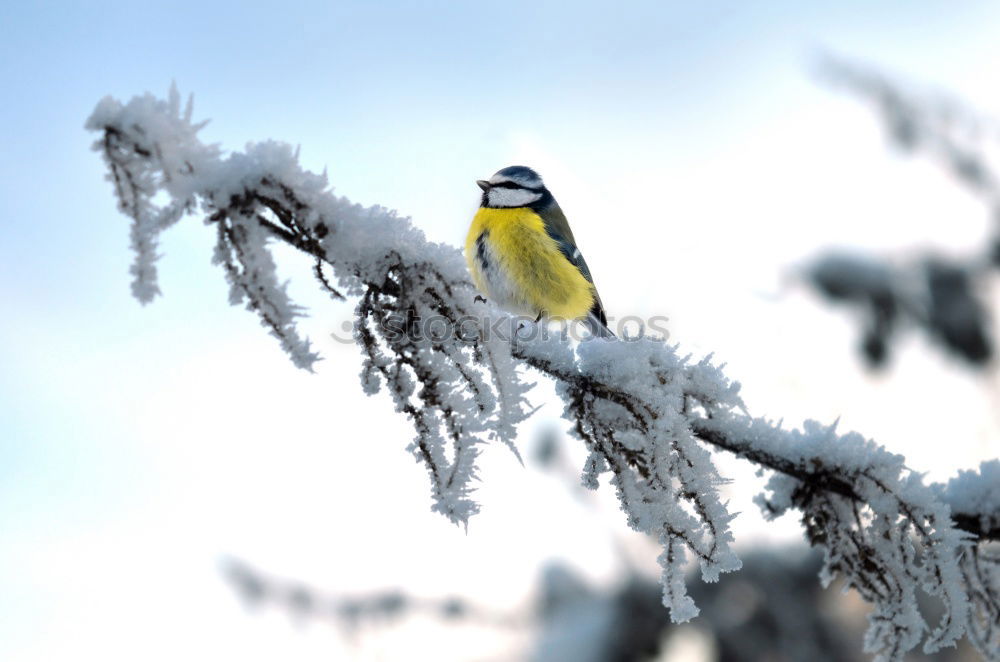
[{"x": 644, "y": 413}]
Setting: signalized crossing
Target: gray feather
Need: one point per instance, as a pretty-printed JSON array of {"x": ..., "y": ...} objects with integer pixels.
[{"x": 557, "y": 227}]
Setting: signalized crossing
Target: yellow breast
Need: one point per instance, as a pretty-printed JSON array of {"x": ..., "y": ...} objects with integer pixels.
[{"x": 519, "y": 266}]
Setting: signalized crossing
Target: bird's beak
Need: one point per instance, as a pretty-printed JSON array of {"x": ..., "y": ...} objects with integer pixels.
[{"x": 483, "y": 184}]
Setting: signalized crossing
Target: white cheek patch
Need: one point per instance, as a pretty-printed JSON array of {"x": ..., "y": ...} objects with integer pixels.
[{"x": 512, "y": 197}]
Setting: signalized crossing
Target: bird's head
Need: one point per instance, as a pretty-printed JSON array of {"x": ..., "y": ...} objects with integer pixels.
[{"x": 514, "y": 186}]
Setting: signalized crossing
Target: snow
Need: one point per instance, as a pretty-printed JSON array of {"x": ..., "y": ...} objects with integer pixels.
[{"x": 975, "y": 492}]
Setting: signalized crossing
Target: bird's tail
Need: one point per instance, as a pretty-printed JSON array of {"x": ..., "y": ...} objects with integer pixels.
[{"x": 597, "y": 327}]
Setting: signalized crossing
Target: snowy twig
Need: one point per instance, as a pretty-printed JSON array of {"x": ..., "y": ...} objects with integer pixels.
[{"x": 646, "y": 414}]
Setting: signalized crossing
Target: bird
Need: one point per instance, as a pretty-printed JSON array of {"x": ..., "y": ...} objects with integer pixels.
[{"x": 522, "y": 254}]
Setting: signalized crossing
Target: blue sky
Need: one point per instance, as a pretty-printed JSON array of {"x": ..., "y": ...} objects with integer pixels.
[{"x": 691, "y": 148}]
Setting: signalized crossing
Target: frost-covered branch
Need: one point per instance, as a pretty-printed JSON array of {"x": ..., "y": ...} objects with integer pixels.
[
  {"x": 262, "y": 195},
  {"x": 458, "y": 369}
]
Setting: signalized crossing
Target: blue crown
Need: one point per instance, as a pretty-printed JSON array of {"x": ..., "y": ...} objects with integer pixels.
[{"x": 522, "y": 175}]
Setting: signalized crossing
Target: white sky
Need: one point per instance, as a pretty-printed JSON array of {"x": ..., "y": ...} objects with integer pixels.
[{"x": 695, "y": 157}]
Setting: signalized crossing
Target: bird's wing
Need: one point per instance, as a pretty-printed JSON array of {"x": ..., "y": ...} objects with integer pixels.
[{"x": 557, "y": 227}]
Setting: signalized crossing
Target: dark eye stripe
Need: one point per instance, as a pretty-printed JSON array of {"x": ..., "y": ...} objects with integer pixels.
[{"x": 516, "y": 185}]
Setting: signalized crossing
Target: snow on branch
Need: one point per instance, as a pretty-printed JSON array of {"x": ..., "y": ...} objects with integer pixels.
[{"x": 648, "y": 416}]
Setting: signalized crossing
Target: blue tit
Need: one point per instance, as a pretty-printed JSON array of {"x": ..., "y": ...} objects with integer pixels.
[{"x": 522, "y": 254}]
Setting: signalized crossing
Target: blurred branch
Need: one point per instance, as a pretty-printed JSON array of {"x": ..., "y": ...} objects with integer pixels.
[
  {"x": 256, "y": 588},
  {"x": 625, "y": 622},
  {"x": 942, "y": 296},
  {"x": 942, "y": 128}
]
